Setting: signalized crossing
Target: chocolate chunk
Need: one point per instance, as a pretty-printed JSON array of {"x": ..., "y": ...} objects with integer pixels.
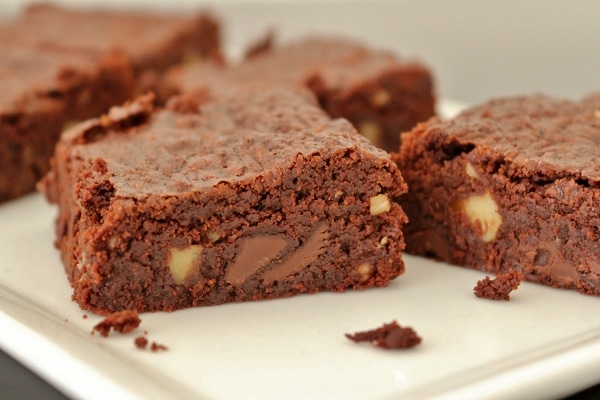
[
  {"x": 256, "y": 252},
  {"x": 300, "y": 258}
]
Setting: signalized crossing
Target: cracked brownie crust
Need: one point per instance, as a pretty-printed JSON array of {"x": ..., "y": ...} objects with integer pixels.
[
  {"x": 258, "y": 196},
  {"x": 380, "y": 94},
  {"x": 514, "y": 183}
]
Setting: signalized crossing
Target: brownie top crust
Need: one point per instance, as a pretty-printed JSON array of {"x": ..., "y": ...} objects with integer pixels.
[
  {"x": 30, "y": 75},
  {"x": 185, "y": 148},
  {"x": 337, "y": 62},
  {"x": 136, "y": 34},
  {"x": 537, "y": 136}
]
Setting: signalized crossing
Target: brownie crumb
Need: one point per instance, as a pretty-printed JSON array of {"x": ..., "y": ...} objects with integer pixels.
[
  {"x": 158, "y": 347},
  {"x": 389, "y": 336},
  {"x": 500, "y": 287},
  {"x": 120, "y": 321},
  {"x": 141, "y": 342},
  {"x": 84, "y": 316}
]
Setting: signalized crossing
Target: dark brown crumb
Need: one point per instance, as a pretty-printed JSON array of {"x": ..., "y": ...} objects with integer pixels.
[
  {"x": 389, "y": 336},
  {"x": 500, "y": 287},
  {"x": 120, "y": 321},
  {"x": 141, "y": 342},
  {"x": 158, "y": 347},
  {"x": 84, "y": 316}
]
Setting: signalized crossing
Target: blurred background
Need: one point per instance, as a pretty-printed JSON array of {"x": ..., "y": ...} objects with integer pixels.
[{"x": 477, "y": 49}]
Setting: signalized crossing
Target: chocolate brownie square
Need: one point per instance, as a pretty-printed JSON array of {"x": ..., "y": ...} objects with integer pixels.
[
  {"x": 45, "y": 88},
  {"x": 150, "y": 41},
  {"x": 513, "y": 183},
  {"x": 379, "y": 93},
  {"x": 60, "y": 66},
  {"x": 256, "y": 195}
]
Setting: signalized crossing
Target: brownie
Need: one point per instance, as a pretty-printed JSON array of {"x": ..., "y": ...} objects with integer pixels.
[
  {"x": 256, "y": 195},
  {"x": 60, "y": 66},
  {"x": 44, "y": 88},
  {"x": 151, "y": 41},
  {"x": 379, "y": 93},
  {"x": 513, "y": 183}
]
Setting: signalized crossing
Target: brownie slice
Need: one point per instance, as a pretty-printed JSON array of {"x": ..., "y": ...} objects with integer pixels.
[
  {"x": 151, "y": 41},
  {"x": 379, "y": 93},
  {"x": 43, "y": 89},
  {"x": 513, "y": 183},
  {"x": 60, "y": 66},
  {"x": 257, "y": 195}
]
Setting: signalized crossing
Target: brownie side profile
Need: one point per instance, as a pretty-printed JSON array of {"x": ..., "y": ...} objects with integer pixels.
[
  {"x": 44, "y": 89},
  {"x": 257, "y": 195},
  {"x": 379, "y": 93},
  {"x": 513, "y": 183}
]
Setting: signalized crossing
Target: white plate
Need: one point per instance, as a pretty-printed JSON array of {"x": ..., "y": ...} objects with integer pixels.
[{"x": 543, "y": 343}]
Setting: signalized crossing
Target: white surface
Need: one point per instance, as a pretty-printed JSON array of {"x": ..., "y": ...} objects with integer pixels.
[{"x": 543, "y": 343}]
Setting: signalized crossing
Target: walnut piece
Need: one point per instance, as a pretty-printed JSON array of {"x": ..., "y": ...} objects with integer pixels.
[
  {"x": 380, "y": 204},
  {"x": 482, "y": 210},
  {"x": 184, "y": 262},
  {"x": 365, "y": 271},
  {"x": 380, "y": 98},
  {"x": 370, "y": 130},
  {"x": 470, "y": 171}
]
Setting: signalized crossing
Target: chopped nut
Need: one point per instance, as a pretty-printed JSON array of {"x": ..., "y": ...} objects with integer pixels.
[
  {"x": 483, "y": 211},
  {"x": 365, "y": 271},
  {"x": 112, "y": 241},
  {"x": 184, "y": 262},
  {"x": 380, "y": 204},
  {"x": 338, "y": 193},
  {"x": 384, "y": 240},
  {"x": 597, "y": 113},
  {"x": 213, "y": 237},
  {"x": 380, "y": 98},
  {"x": 370, "y": 130},
  {"x": 470, "y": 170}
]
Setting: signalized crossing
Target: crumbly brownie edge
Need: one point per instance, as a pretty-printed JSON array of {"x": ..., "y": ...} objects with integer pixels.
[
  {"x": 467, "y": 207},
  {"x": 314, "y": 224}
]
